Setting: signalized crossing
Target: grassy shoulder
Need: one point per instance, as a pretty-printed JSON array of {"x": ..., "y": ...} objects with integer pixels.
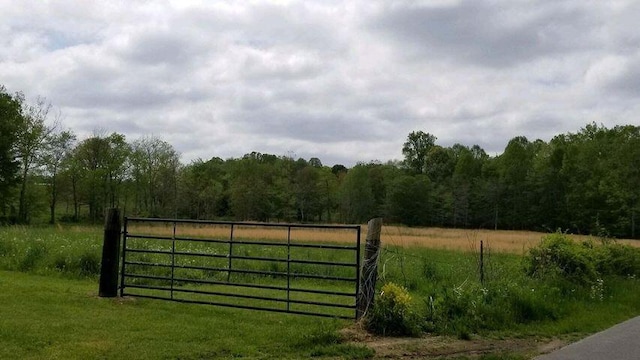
[
  {"x": 56, "y": 318},
  {"x": 559, "y": 288}
]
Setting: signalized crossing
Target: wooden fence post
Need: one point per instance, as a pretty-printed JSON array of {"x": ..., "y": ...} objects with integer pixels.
[
  {"x": 110, "y": 255},
  {"x": 481, "y": 262},
  {"x": 369, "y": 275}
]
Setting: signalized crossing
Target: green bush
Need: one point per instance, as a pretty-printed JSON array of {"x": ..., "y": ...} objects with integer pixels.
[
  {"x": 393, "y": 314},
  {"x": 559, "y": 257},
  {"x": 617, "y": 259}
]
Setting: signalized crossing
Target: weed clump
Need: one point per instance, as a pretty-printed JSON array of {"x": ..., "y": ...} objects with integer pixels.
[
  {"x": 33, "y": 256},
  {"x": 393, "y": 314},
  {"x": 471, "y": 307}
]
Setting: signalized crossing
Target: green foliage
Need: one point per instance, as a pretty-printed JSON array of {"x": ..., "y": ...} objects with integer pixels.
[
  {"x": 416, "y": 149},
  {"x": 409, "y": 200},
  {"x": 356, "y": 196},
  {"x": 585, "y": 182},
  {"x": 559, "y": 257},
  {"x": 393, "y": 313},
  {"x": 471, "y": 307},
  {"x": 618, "y": 259},
  {"x": 10, "y": 119}
]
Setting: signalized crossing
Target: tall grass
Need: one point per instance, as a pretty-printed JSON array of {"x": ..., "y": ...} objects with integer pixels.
[
  {"x": 72, "y": 251},
  {"x": 449, "y": 297}
]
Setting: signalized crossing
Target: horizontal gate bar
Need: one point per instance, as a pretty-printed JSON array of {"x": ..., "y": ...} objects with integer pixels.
[
  {"x": 244, "y": 271},
  {"x": 255, "y": 286},
  {"x": 243, "y": 242},
  {"x": 242, "y": 257},
  {"x": 249, "y": 224}
]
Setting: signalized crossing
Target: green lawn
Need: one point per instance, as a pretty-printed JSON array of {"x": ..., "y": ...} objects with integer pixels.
[{"x": 55, "y": 318}]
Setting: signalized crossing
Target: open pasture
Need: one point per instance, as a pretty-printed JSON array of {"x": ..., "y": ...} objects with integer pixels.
[{"x": 508, "y": 241}]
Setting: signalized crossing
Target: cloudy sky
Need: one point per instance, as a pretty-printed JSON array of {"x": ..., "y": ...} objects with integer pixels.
[{"x": 344, "y": 81}]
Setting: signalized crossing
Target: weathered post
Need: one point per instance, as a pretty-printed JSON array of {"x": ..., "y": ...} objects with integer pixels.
[
  {"x": 481, "y": 262},
  {"x": 369, "y": 268},
  {"x": 110, "y": 255}
]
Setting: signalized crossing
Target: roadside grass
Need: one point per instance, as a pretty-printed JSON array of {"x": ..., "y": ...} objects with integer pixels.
[
  {"x": 449, "y": 297},
  {"x": 56, "y": 318},
  {"x": 444, "y": 286}
]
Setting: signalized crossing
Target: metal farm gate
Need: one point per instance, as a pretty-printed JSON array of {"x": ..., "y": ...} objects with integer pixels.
[{"x": 289, "y": 268}]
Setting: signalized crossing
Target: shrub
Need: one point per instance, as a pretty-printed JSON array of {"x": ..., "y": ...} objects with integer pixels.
[
  {"x": 392, "y": 313},
  {"x": 584, "y": 264},
  {"x": 618, "y": 259},
  {"x": 559, "y": 257}
]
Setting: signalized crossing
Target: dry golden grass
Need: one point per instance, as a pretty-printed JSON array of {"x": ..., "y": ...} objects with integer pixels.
[
  {"x": 440, "y": 238},
  {"x": 247, "y": 232},
  {"x": 469, "y": 240}
]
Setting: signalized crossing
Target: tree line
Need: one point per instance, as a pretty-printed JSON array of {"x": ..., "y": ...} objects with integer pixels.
[{"x": 583, "y": 182}]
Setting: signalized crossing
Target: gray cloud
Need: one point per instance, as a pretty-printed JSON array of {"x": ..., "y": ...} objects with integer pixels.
[
  {"x": 341, "y": 81},
  {"x": 490, "y": 34}
]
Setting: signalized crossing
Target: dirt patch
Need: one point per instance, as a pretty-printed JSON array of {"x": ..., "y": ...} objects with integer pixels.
[{"x": 444, "y": 347}]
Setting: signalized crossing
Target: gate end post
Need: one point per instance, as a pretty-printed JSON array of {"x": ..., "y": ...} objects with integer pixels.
[
  {"x": 110, "y": 255},
  {"x": 369, "y": 275}
]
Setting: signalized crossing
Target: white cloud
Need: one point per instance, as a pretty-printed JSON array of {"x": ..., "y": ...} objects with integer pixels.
[{"x": 341, "y": 81}]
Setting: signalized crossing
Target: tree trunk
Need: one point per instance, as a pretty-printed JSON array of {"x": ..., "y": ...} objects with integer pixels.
[
  {"x": 75, "y": 198},
  {"x": 54, "y": 198},
  {"x": 22, "y": 210}
]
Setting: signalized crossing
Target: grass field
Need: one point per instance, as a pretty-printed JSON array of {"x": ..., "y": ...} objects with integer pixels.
[
  {"x": 516, "y": 242},
  {"x": 55, "y": 318},
  {"x": 48, "y": 287}
]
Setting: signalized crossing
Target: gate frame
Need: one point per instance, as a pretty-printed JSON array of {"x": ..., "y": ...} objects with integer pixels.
[{"x": 288, "y": 244}]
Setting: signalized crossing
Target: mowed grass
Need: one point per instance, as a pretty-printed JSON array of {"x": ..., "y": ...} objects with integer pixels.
[{"x": 56, "y": 318}]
